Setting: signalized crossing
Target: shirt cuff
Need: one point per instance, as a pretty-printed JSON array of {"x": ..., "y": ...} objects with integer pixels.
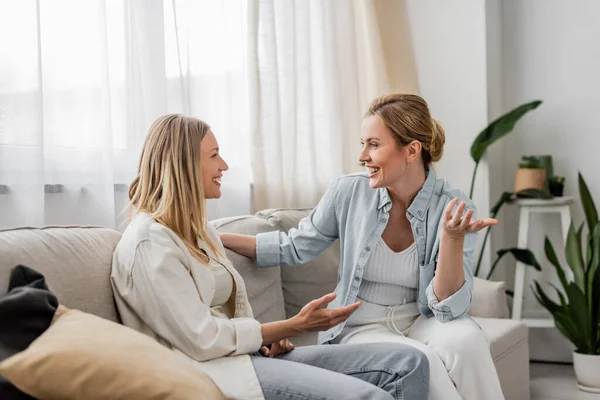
[
  {"x": 267, "y": 249},
  {"x": 248, "y": 335},
  {"x": 452, "y": 307}
]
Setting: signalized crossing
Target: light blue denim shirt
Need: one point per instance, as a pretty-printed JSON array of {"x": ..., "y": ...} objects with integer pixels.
[{"x": 357, "y": 214}]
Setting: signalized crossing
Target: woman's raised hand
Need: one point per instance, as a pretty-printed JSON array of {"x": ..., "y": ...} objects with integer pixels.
[{"x": 457, "y": 225}]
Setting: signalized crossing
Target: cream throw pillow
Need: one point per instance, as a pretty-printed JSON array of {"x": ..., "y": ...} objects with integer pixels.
[
  {"x": 82, "y": 356},
  {"x": 489, "y": 299}
]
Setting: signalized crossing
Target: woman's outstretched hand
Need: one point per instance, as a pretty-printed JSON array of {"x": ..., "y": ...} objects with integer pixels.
[
  {"x": 457, "y": 225},
  {"x": 314, "y": 317}
]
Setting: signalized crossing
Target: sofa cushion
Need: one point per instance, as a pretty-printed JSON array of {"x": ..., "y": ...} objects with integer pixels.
[
  {"x": 82, "y": 356},
  {"x": 263, "y": 285},
  {"x": 312, "y": 280},
  {"x": 75, "y": 261},
  {"x": 504, "y": 334}
]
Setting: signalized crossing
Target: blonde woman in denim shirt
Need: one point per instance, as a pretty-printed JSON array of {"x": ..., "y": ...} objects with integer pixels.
[{"x": 407, "y": 240}]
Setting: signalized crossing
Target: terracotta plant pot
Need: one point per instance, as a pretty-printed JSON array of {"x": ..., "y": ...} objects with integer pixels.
[
  {"x": 530, "y": 178},
  {"x": 587, "y": 369}
]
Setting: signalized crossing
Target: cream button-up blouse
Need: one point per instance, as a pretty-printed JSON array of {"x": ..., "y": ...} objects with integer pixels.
[{"x": 164, "y": 292}]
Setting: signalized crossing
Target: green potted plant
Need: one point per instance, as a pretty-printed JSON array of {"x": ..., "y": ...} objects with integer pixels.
[
  {"x": 577, "y": 312},
  {"x": 531, "y": 174},
  {"x": 557, "y": 185}
]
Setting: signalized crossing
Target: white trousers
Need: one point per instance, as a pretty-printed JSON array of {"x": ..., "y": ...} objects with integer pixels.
[{"x": 458, "y": 351}]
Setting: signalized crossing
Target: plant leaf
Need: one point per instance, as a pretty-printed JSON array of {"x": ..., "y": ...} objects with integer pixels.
[
  {"x": 504, "y": 198},
  {"x": 533, "y": 194},
  {"x": 499, "y": 128},
  {"x": 544, "y": 300},
  {"x": 589, "y": 208},
  {"x": 551, "y": 256},
  {"x": 574, "y": 257},
  {"x": 561, "y": 297},
  {"x": 579, "y": 313},
  {"x": 593, "y": 286},
  {"x": 595, "y": 260},
  {"x": 522, "y": 255},
  {"x": 565, "y": 324}
]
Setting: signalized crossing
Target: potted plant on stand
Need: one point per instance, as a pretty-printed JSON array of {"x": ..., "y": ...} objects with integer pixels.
[
  {"x": 531, "y": 174},
  {"x": 557, "y": 185},
  {"x": 577, "y": 312}
]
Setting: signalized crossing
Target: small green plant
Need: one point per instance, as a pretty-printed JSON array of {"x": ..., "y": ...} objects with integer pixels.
[
  {"x": 556, "y": 185},
  {"x": 531, "y": 162},
  {"x": 577, "y": 312}
]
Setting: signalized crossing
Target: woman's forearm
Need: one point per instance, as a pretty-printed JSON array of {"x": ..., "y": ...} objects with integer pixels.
[
  {"x": 449, "y": 274},
  {"x": 241, "y": 244},
  {"x": 275, "y": 331}
]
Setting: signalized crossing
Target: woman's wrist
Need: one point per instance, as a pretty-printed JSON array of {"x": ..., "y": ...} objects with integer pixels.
[
  {"x": 455, "y": 238},
  {"x": 295, "y": 325},
  {"x": 278, "y": 330}
]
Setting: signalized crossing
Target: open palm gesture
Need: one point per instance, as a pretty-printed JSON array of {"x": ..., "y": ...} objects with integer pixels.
[{"x": 458, "y": 225}]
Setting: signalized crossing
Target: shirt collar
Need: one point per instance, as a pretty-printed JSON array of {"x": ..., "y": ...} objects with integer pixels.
[{"x": 420, "y": 203}]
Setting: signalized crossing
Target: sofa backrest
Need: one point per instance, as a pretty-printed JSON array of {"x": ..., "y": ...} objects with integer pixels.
[
  {"x": 312, "y": 280},
  {"x": 75, "y": 261},
  {"x": 262, "y": 284}
]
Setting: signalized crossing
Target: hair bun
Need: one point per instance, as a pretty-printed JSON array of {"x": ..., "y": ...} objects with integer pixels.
[{"x": 438, "y": 139}]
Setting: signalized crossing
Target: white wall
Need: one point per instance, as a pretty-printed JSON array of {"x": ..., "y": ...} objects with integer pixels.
[
  {"x": 550, "y": 51},
  {"x": 477, "y": 60},
  {"x": 449, "y": 44}
]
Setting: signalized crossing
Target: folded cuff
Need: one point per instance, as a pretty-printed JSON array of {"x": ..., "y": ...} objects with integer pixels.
[
  {"x": 452, "y": 307},
  {"x": 249, "y": 335},
  {"x": 267, "y": 249}
]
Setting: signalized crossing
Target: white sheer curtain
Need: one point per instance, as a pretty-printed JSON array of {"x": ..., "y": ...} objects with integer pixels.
[
  {"x": 81, "y": 82},
  {"x": 313, "y": 68}
]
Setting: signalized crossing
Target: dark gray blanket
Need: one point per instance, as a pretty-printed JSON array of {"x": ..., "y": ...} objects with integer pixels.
[{"x": 25, "y": 313}]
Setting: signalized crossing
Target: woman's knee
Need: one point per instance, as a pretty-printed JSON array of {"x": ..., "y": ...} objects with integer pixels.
[
  {"x": 407, "y": 361},
  {"x": 465, "y": 338}
]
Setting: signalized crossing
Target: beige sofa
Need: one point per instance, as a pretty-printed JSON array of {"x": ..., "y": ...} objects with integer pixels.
[{"x": 76, "y": 262}]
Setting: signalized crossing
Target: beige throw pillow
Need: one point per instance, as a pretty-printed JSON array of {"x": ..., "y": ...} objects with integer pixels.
[
  {"x": 82, "y": 356},
  {"x": 489, "y": 299}
]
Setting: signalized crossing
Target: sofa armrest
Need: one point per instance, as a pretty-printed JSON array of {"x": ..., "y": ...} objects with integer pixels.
[{"x": 489, "y": 299}]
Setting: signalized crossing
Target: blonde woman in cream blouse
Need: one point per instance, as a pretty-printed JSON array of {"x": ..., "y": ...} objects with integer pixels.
[{"x": 173, "y": 282}]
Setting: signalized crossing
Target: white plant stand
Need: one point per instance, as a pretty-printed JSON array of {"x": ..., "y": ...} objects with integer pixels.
[{"x": 557, "y": 205}]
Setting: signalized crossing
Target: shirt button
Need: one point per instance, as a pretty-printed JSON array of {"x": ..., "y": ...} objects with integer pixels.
[
  {"x": 420, "y": 213},
  {"x": 356, "y": 278},
  {"x": 368, "y": 249},
  {"x": 382, "y": 219}
]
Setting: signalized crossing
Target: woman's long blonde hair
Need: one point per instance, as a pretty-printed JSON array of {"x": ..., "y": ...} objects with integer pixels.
[{"x": 168, "y": 185}]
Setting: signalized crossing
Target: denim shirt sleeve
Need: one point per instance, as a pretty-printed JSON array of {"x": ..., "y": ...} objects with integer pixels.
[
  {"x": 459, "y": 302},
  {"x": 315, "y": 233}
]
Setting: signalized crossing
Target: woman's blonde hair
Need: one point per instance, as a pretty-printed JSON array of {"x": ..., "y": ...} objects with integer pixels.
[
  {"x": 168, "y": 185},
  {"x": 407, "y": 117}
]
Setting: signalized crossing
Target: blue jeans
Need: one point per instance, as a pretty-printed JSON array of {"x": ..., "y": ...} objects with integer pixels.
[{"x": 363, "y": 371}]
